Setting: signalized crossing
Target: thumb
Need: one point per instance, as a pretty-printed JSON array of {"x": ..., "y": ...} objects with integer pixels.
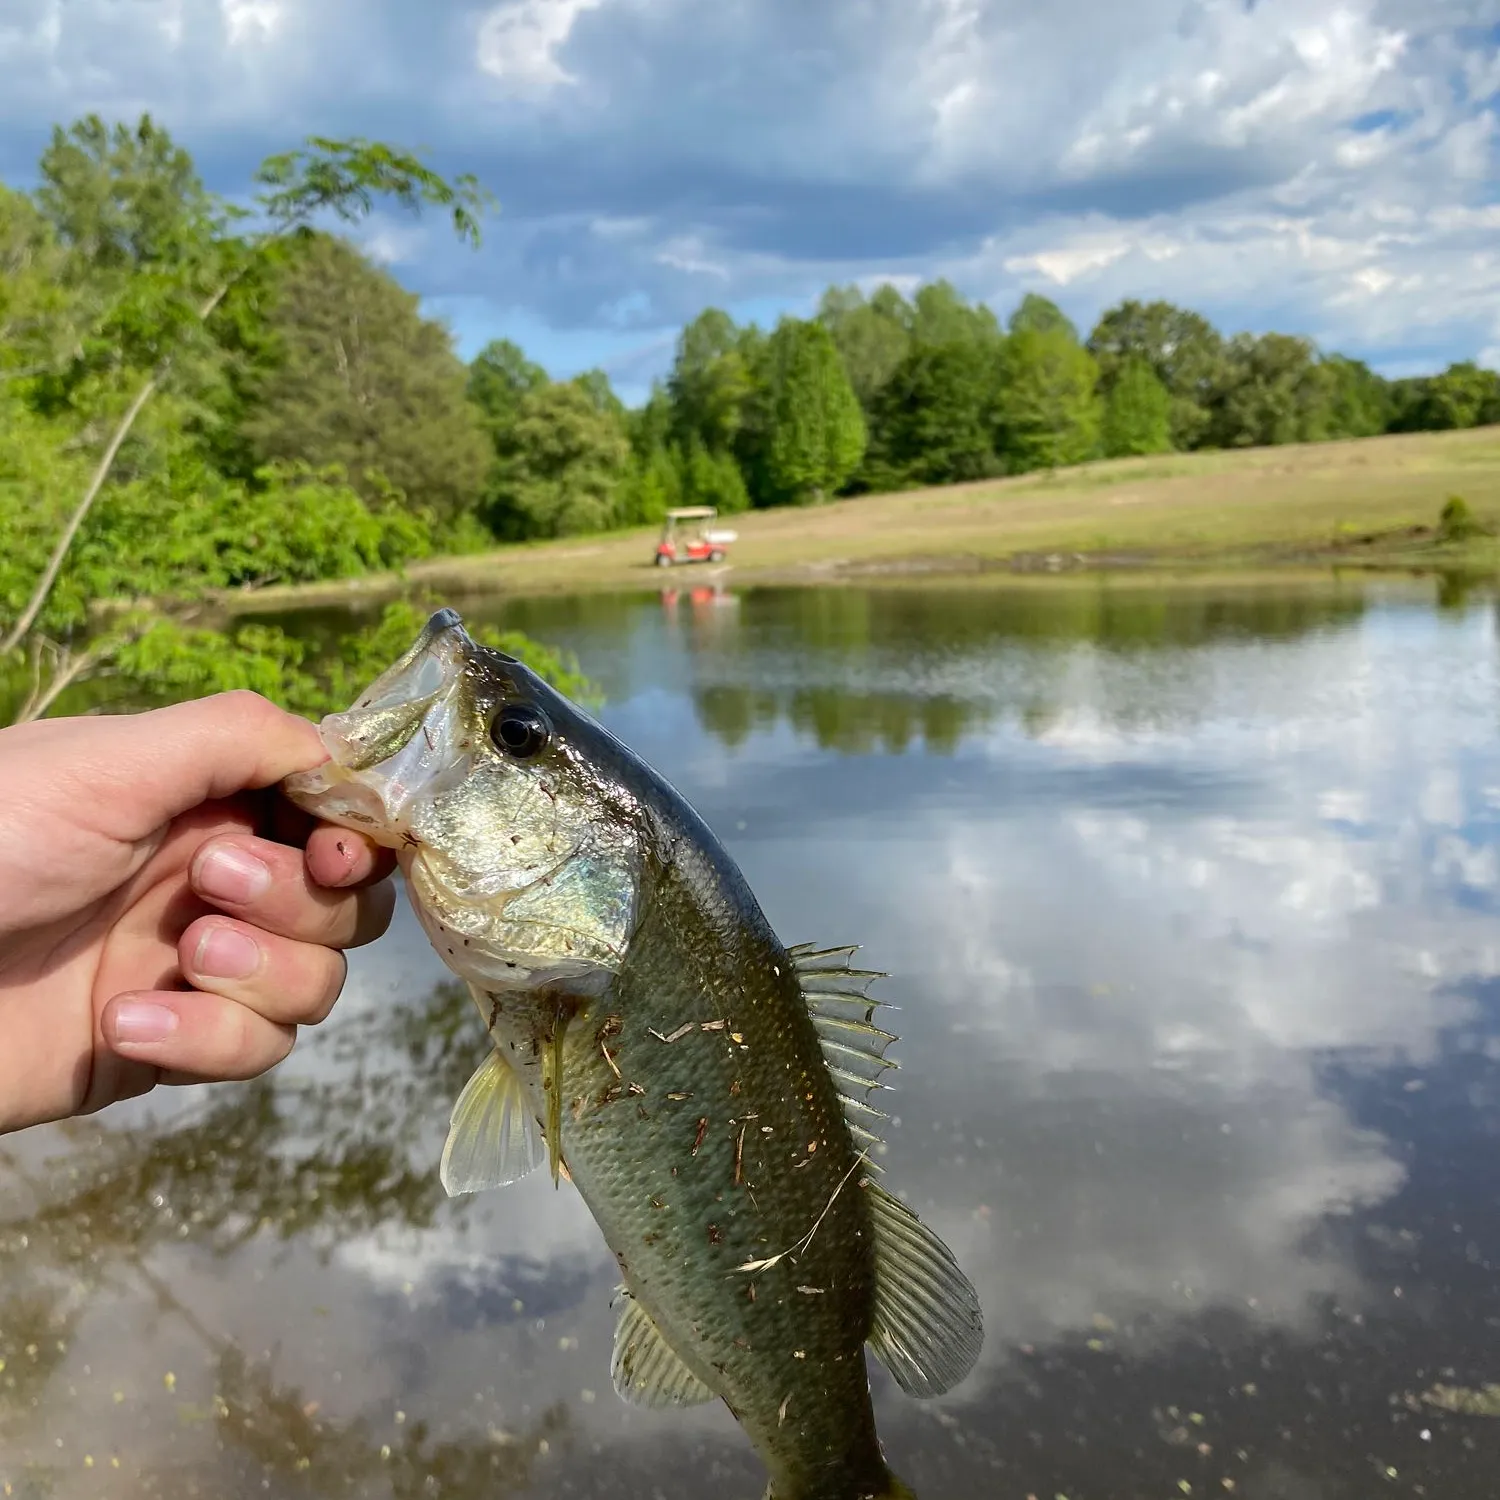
[{"x": 138, "y": 771}]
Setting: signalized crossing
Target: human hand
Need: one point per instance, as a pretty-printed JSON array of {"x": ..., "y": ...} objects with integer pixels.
[{"x": 165, "y": 916}]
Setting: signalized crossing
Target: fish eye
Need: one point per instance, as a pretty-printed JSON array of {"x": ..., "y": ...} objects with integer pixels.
[{"x": 521, "y": 730}]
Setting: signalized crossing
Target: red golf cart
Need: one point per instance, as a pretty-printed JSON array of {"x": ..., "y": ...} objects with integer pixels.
[{"x": 691, "y": 544}]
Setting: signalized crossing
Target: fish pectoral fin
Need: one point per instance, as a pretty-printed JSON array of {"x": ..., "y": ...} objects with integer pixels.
[
  {"x": 492, "y": 1138},
  {"x": 646, "y": 1371},
  {"x": 928, "y": 1328}
]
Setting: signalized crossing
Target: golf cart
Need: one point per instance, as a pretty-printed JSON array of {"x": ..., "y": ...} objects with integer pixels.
[{"x": 685, "y": 544}]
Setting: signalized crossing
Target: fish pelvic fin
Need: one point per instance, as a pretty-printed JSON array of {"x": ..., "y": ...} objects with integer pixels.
[
  {"x": 492, "y": 1138},
  {"x": 853, "y": 1045},
  {"x": 645, "y": 1369}
]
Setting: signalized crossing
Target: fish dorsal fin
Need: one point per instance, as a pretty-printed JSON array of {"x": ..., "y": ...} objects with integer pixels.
[
  {"x": 928, "y": 1328},
  {"x": 492, "y": 1138},
  {"x": 843, "y": 1016},
  {"x": 645, "y": 1370}
]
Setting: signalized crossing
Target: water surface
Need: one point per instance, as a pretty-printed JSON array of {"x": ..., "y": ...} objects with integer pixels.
[{"x": 1188, "y": 900}]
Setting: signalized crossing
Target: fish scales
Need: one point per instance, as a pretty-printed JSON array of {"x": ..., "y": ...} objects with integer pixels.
[
  {"x": 789, "y": 1364},
  {"x": 655, "y": 1041}
]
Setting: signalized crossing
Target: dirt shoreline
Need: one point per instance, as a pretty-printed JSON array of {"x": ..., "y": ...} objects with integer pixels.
[
  {"x": 468, "y": 582},
  {"x": 1370, "y": 504}
]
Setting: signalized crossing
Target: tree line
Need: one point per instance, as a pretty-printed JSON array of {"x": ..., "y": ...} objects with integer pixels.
[
  {"x": 196, "y": 395},
  {"x": 881, "y": 391},
  {"x": 874, "y": 392}
]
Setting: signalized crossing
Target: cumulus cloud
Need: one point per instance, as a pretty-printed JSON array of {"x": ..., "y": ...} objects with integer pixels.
[
  {"x": 1322, "y": 165},
  {"x": 519, "y": 41}
]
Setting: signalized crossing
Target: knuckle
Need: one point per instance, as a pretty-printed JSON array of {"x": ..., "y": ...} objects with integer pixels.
[
  {"x": 250, "y": 705},
  {"x": 335, "y": 971},
  {"x": 237, "y": 1038}
]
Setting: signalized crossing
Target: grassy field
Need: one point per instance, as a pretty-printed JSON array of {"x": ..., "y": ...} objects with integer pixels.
[{"x": 1367, "y": 503}]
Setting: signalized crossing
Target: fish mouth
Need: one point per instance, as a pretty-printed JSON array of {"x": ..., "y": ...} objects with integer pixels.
[
  {"x": 391, "y": 709},
  {"x": 395, "y": 739}
]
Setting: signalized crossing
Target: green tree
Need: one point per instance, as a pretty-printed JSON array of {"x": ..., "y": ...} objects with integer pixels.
[
  {"x": 652, "y": 486},
  {"x": 1408, "y": 396},
  {"x": 933, "y": 421},
  {"x": 39, "y": 315},
  {"x": 124, "y": 198},
  {"x": 567, "y": 468},
  {"x": 1272, "y": 390},
  {"x": 941, "y": 315},
  {"x": 1039, "y": 315},
  {"x": 650, "y": 426},
  {"x": 713, "y": 479},
  {"x": 1183, "y": 348},
  {"x": 710, "y": 382},
  {"x": 595, "y": 385},
  {"x": 1359, "y": 400},
  {"x": 1137, "y": 413},
  {"x": 500, "y": 376},
  {"x": 872, "y": 336},
  {"x": 1047, "y": 409},
  {"x": 358, "y": 378},
  {"x": 108, "y": 426},
  {"x": 816, "y": 432},
  {"x": 1464, "y": 395}
]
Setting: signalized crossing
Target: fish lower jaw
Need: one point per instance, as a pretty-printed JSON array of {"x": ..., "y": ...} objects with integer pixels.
[{"x": 336, "y": 795}]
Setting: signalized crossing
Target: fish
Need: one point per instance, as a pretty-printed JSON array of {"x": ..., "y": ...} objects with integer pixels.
[{"x": 705, "y": 1088}]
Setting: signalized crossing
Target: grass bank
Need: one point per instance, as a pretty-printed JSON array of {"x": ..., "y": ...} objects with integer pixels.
[{"x": 1369, "y": 503}]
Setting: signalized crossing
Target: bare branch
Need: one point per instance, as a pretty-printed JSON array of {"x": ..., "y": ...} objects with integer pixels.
[
  {"x": 17, "y": 632},
  {"x": 74, "y": 666}
]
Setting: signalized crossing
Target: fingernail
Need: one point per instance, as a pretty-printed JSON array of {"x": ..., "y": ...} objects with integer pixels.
[
  {"x": 138, "y": 1021},
  {"x": 224, "y": 953},
  {"x": 229, "y": 874}
]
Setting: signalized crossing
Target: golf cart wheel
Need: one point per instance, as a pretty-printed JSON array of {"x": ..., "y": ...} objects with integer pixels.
[
  {"x": 716, "y": 556},
  {"x": 662, "y": 560}
]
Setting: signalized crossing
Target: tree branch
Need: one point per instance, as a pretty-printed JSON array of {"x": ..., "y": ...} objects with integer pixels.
[
  {"x": 17, "y": 632},
  {"x": 74, "y": 667}
]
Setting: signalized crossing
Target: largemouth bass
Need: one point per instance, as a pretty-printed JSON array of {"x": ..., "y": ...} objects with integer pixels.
[{"x": 704, "y": 1087}]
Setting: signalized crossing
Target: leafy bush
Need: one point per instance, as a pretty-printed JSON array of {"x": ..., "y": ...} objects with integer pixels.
[{"x": 1458, "y": 523}]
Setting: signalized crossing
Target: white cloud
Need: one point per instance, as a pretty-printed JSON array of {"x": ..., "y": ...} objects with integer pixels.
[
  {"x": 1063, "y": 266},
  {"x": 36, "y": 28},
  {"x": 686, "y": 253},
  {"x": 390, "y": 243},
  {"x": 250, "y": 21},
  {"x": 519, "y": 41},
  {"x": 1324, "y": 166}
]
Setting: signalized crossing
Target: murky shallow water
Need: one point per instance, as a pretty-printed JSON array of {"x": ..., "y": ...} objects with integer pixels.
[{"x": 1189, "y": 903}]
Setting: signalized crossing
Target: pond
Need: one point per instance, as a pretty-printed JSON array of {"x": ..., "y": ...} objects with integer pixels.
[{"x": 1188, "y": 899}]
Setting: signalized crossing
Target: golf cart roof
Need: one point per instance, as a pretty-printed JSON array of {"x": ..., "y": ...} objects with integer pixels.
[{"x": 692, "y": 513}]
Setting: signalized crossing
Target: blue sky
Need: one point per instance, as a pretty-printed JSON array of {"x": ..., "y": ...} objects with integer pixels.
[{"x": 1319, "y": 166}]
